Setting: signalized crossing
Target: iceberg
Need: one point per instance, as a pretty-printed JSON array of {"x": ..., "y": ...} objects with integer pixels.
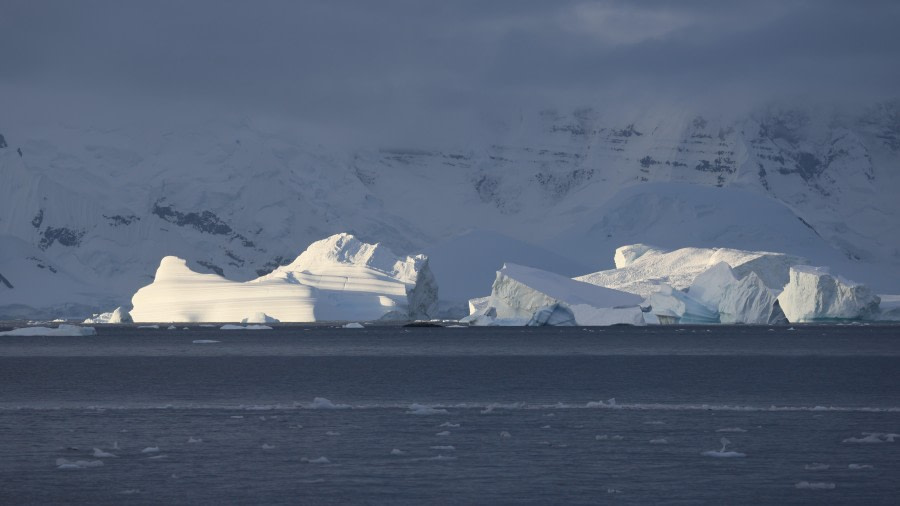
[
  {"x": 259, "y": 317},
  {"x": 119, "y": 315},
  {"x": 642, "y": 269},
  {"x": 813, "y": 293},
  {"x": 337, "y": 278},
  {"x": 522, "y": 294}
]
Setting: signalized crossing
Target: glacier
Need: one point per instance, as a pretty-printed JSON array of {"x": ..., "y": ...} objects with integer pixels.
[
  {"x": 522, "y": 295},
  {"x": 814, "y": 294},
  {"x": 337, "y": 278}
]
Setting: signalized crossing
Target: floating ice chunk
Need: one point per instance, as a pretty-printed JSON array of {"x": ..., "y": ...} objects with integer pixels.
[
  {"x": 441, "y": 457},
  {"x": 443, "y": 433},
  {"x": 872, "y": 437},
  {"x": 318, "y": 460},
  {"x": 421, "y": 409},
  {"x": 815, "y": 485},
  {"x": 194, "y": 440},
  {"x": 332, "y": 433},
  {"x": 731, "y": 429},
  {"x": 659, "y": 441},
  {"x": 613, "y": 491},
  {"x": 860, "y": 466},
  {"x": 545, "y": 427},
  {"x": 102, "y": 454},
  {"x": 171, "y": 327},
  {"x": 150, "y": 449},
  {"x": 268, "y": 447},
  {"x": 148, "y": 326},
  {"x": 77, "y": 464},
  {"x": 449, "y": 424},
  {"x": 229, "y": 326},
  {"x": 323, "y": 403},
  {"x": 723, "y": 453},
  {"x": 504, "y": 434},
  {"x": 816, "y": 466},
  {"x": 236, "y": 416},
  {"x": 259, "y": 317},
  {"x": 205, "y": 341},
  {"x": 397, "y": 451},
  {"x": 443, "y": 447},
  {"x": 812, "y": 293},
  {"x": 157, "y": 457},
  {"x": 63, "y": 330},
  {"x": 119, "y": 315},
  {"x": 353, "y": 325}
]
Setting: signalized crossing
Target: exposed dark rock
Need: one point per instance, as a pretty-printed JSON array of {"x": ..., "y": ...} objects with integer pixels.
[
  {"x": 627, "y": 132},
  {"x": 271, "y": 265},
  {"x": 38, "y": 219},
  {"x": 118, "y": 219},
  {"x": 647, "y": 161},
  {"x": 19, "y": 150},
  {"x": 5, "y": 282},
  {"x": 211, "y": 266},
  {"x": 62, "y": 235},
  {"x": 204, "y": 221},
  {"x": 560, "y": 184},
  {"x": 2, "y": 142}
]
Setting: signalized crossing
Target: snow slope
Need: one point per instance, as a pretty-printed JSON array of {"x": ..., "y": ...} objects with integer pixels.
[
  {"x": 337, "y": 278},
  {"x": 90, "y": 202}
]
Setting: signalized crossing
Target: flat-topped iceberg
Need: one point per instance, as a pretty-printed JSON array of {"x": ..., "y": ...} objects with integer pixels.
[
  {"x": 642, "y": 269},
  {"x": 522, "y": 294},
  {"x": 337, "y": 278},
  {"x": 63, "y": 330},
  {"x": 813, "y": 293}
]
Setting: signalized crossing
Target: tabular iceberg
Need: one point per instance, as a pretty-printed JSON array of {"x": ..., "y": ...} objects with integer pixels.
[
  {"x": 337, "y": 278},
  {"x": 812, "y": 293},
  {"x": 521, "y": 294}
]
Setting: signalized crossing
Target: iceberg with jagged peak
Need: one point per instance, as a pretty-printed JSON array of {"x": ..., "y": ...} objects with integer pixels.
[
  {"x": 337, "y": 278},
  {"x": 813, "y": 293},
  {"x": 522, "y": 294}
]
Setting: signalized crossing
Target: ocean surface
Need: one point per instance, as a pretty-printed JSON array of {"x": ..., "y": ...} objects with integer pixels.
[{"x": 393, "y": 415}]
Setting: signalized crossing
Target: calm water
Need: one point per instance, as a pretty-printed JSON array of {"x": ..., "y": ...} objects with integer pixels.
[{"x": 507, "y": 416}]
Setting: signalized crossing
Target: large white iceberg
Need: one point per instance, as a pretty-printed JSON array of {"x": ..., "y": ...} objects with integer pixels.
[
  {"x": 718, "y": 296},
  {"x": 337, "y": 278},
  {"x": 521, "y": 294},
  {"x": 813, "y": 293},
  {"x": 643, "y": 269}
]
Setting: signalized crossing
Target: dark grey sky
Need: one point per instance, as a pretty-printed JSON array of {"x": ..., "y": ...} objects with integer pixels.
[{"x": 364, "y": 61}]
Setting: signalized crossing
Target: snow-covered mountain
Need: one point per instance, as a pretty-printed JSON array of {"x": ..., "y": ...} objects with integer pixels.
[{"x": 89, "y": 207}]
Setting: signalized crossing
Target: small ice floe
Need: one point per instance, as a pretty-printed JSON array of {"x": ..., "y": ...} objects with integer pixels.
[
  {"x": 332, "y": 433},
  {"x": 397, "y": 451},
  {"x": 323, "y": 403},
  {"x": 268, "y": 447},
  {"x": 443, "y": 433},
  {"x": 444, "y": 447},
  {"x": 77, "y": 464},
  {"x": 613, "y": 491},
  {"x": 441, "y": 457},
  {"x": 205, "y": 341},
  {"x": 816, "y": 466},
  {"x": 63, "y": 330},
  {"x": 791, "y": 328},
  {"x": 731, "y": 429},
  {"x": 298, "y": 426},
  {"x": 185, "y": 328},
  {"x": 194, "y": 440},
  {"x": 150, "y": 449},
  {"x": 319, "y": 460},
  {"x": 229, "y": 326},
  {"x": 236, "y": 417},
  {"x": 171, "y": 327},
  {"x": 723, "y": 454},
  {"x": 814, "y": 485},
  {"x": 873, "y": 437},
  {"x": 548, "y": 415},
  {"x": 157, "y": 457},
  {"x": 448, "y": 424},
  {"x": 605, "y": 437},
  {"x": 353, "y": 325},
  {"x": 611, "y": 403},
  {"x": 545, "y": 427},
  {"x": 505, "y": 435},
  {"x": 860, "y": 466},
  {"x": 659, "y": 441},
  {"x": 100, "y": 454},
  {"x": 421, "y": 409},
  {"x": 148, "y": 326}
]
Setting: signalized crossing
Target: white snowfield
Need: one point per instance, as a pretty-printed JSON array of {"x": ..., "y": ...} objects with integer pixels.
[
  {"x": 813, "y": 293},
  {"x": 521, "y": 293},
  {"x": 337, "y": 278}
]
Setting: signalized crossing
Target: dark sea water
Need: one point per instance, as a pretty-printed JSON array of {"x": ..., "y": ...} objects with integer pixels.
[{"x": 477, "y": 416}]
